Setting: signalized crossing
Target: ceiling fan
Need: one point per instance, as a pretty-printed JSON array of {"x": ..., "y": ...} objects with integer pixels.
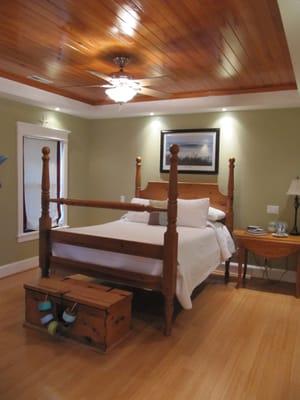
[{"x": 122, "y": 87}]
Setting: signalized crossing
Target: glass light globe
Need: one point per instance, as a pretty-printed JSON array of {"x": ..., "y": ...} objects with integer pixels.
[{"x": 121, "y": 94}]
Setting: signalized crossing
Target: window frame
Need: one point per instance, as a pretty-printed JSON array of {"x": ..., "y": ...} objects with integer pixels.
[{"x": 25, "y": 129}]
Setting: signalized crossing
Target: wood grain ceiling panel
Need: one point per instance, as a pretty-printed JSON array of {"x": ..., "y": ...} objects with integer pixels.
[{"x": 201, "y": 47}]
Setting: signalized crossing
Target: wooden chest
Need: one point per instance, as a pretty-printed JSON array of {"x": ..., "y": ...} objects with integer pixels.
[{"x": 103, "y": 314}]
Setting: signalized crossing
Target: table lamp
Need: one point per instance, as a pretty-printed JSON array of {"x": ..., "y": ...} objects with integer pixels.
[{"x": 294, "y": 190}]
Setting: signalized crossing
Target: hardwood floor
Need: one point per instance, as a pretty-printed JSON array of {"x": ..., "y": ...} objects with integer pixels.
[{"x": 234, "y": 345}]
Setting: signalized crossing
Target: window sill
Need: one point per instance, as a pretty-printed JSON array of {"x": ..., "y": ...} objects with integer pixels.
[
  {"x": 30, "y": 236},
  {"x": 26, "y": 237}
]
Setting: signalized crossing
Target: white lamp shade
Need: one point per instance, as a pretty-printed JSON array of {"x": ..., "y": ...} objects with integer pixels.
[{"x": 294, "y": 189}]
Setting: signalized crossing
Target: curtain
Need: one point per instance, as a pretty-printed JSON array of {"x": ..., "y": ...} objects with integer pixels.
[{"x": 32, "y": 170}]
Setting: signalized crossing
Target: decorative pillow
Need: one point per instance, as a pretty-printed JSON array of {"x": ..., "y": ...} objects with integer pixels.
[
  {"x": 138, "y": 216},
  {"x": 192, "y": 213},
  {"x": 214, "y": 214},
  {"x": 158, "y": 218}
]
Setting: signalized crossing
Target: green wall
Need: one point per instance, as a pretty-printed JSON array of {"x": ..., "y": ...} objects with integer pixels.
[
  {"x": 102, "y": 162},
  {"x": 10, "y": 113},
  {"x": 265, "y": 143}
]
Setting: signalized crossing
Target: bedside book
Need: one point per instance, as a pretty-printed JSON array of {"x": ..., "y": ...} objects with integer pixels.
[{"x": 256, "y": 230}]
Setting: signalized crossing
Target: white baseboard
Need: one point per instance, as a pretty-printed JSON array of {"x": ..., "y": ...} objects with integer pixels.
[
  {"x": 18, "y": 266},
  {"x": 252, "y": 270},
  {"x": 258, "y": 272}
]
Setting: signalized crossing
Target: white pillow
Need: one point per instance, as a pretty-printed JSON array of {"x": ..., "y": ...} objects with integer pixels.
[
  {"x": 214, "y": 214},
  {"x": 138, "y": 216},
  {"x": 192, "y": 212}
]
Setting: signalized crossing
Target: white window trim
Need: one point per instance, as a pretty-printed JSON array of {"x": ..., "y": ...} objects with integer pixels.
[{"x": 37, "y": 131}]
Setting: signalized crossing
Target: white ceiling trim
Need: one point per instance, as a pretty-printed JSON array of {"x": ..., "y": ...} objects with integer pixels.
[
  {"x": 41, "y": 98},
  {"x": 253, "y": 101}
]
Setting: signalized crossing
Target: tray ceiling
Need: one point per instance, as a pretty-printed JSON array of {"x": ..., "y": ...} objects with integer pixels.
[{"x": 200, "y": 48}]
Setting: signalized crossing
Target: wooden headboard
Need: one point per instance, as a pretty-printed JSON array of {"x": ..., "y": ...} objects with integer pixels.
[{"x": 186, "y": 190}]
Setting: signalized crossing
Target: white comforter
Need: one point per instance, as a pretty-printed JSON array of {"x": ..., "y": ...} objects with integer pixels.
[{"x": 200, "y": 251}]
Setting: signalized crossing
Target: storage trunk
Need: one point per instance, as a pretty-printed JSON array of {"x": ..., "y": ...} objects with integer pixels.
[{"x": 103, "y": 314}]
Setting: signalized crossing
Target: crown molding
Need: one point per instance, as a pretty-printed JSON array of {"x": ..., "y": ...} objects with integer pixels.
[{"x": 250, "y": 101}]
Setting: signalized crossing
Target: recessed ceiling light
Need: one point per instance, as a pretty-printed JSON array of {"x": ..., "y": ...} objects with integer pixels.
[
  {"x": 224, "y": 109},
  {"x": 57, "y": 109},
  {"x": 115, "y": 30},
  {"x": 152, "y": 113}
]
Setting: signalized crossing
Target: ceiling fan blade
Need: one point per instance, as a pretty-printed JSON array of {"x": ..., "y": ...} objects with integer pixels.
[
  {"x": 81, "y": 86},
  {"x": 100, "y": 75},
  {"x": 149, "y": 81},
  {"x": 153, "y": 93}
]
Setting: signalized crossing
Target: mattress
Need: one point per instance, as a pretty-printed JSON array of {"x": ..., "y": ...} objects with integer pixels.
[{"x": 200, "y": 251}]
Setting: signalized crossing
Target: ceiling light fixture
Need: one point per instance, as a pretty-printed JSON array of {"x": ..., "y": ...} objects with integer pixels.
[
  {"x": 152, "y": 113},
  {"x": 123, "y": 90},
  {"x": 224, "y": 109},
  {"x": 57, "y": 109}
]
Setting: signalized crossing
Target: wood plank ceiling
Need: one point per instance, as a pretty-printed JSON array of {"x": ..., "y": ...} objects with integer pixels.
[{"x": 201, "y": 47}]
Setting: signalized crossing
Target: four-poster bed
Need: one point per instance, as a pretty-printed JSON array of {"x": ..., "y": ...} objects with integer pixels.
[{"x": 167, "y": 252}]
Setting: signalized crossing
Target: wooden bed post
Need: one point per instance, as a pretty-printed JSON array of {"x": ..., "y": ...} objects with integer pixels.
[
  {"x": 138, "y": 184},
  {"x": 230, "y": 189},
  {"x": 45, "y": 220},
  {"x": 229, "y": 217},
  {"x": 171, "y": 243}
]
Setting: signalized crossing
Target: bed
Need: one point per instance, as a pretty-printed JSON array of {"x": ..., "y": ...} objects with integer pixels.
[{"x": 171, "y": 259}]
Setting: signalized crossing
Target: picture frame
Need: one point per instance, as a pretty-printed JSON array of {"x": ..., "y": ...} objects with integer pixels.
[{"x": 198, "y": 150}]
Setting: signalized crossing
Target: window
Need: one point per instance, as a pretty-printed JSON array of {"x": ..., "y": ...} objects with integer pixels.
[{"x": 31, "y": 140}]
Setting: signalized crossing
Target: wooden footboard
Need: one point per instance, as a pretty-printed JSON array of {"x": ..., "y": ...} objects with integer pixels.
[{"x": 134, "y": 279}]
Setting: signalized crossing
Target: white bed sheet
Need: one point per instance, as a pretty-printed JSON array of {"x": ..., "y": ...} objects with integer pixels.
[{"x": 200, "y": 251}]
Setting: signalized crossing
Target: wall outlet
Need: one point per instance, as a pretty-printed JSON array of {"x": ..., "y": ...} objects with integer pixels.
[
  {"x": 122, "y": 198},
  {"x": 273, "y": 209}
]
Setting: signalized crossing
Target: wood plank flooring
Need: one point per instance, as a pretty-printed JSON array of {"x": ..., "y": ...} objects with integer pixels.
[{"x": 234, "y": 345}]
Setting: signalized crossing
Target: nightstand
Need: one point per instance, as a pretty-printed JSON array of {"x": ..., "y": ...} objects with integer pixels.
[{"x": 266, "y": 246}]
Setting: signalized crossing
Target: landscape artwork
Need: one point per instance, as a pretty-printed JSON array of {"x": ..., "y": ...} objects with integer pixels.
[{"x": 198, "y": 150}]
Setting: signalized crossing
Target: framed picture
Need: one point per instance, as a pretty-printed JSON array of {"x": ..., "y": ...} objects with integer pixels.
[{"x": 198, "y": 150}]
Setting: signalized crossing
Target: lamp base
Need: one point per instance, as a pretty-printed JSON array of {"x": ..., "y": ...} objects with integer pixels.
[{"x": 294, "y": 232}]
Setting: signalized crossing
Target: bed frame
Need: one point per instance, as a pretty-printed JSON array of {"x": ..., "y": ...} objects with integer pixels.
[{"x": 166, "y": 284}]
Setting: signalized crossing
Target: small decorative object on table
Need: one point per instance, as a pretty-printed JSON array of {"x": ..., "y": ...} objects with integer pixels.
[
  {"x": 272, "y": 226},
  {"x": 281, "y": 228},
  {"x": 256, "y": 230}
]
